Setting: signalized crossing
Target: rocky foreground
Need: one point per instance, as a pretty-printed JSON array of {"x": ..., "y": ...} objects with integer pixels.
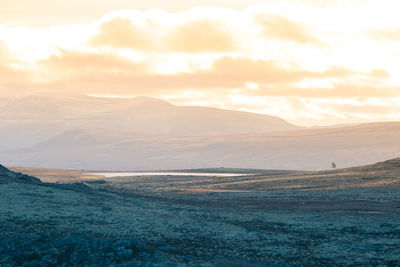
[{"x": 154, "y": 222}]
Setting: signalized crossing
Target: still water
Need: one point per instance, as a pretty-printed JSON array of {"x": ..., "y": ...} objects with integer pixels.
[{"x": 126, "y": 174}]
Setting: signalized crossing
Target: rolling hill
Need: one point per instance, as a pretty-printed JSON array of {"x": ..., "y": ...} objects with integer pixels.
[
  {"x": 84, "y": 132},
  {"x": 27, "y": 120}
]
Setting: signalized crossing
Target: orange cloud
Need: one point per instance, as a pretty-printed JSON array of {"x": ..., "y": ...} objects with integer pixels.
[
  {"x": 278, "y": 27},
  {"x": 110, "y": 74},
  {"x": 385, "y": 34},
  {"x": 226, "y": 73},
  {"x": 376, "y": 73},
  {"x": 237, "y": 71},
  {"x": 81, "y": 63},
  {"x": 200, "y": 36},
  {"x": 192, "y": 37},
  {"x": 121, "y": 33},
  {"x": 340, "y": 90}
]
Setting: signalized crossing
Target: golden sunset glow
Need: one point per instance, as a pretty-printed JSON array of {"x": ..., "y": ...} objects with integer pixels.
[{"x": 304, "y": 61}]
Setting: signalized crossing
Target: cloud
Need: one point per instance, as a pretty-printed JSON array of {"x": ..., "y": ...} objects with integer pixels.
[
  {"x": 340, "y": 90},
  {"x": 384, "y": 34},
  {"x": 190, "y": 37},
  {"x": 279, "y": 27},
  {"x": 108, "y": 74},
  {"x": 72, "y": 72},
  {"x": 194, "y": 35},
  {"x": 9, "y": 74},
  {"x": 200, "y": 36},
  {"x": 79, "y": 64},
  {"x": 111, "y": 74},
  {"x": 235, "y": 72},
  {"x": 121, "y": 33},
  {"x": 13, "y": 80},
  {"x": 379, "y": 73}
]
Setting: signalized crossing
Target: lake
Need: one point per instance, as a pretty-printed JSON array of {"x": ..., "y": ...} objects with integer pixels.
[{"x": 127, "y": 174}]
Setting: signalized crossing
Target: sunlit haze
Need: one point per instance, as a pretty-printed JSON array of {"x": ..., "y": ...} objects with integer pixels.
[{"x": 306, "y": 62}]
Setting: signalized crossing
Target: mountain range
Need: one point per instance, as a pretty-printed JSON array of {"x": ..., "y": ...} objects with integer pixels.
[
  {"x": 84, "y": 132},
  {"x": 29, "y": 119}
]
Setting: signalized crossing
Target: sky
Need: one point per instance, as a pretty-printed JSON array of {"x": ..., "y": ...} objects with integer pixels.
[{"x": 309, "y": 62}]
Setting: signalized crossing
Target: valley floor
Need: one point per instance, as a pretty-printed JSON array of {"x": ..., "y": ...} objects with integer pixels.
[{"x": 347, "y": 217}]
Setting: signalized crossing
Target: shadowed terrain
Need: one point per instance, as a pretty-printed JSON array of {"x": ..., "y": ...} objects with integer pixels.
[{"x": 343, "y": 217}]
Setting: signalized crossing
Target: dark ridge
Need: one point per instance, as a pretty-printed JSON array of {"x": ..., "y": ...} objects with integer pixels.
[
  {"x": 7, "y": 176},
  {"x": 3, "y": 169}
]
